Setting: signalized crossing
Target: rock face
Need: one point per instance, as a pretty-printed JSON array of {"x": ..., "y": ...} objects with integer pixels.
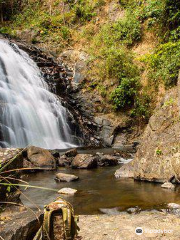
[
  {"x": 62, "y": 177},
  {"x": 158, "y": 157},
  {"x": 85, "y": 161},
  {"x": 39, "y": 158}
]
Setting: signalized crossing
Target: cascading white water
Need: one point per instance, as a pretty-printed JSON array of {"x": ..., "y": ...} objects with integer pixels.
[{"x": 29, "y": 113}]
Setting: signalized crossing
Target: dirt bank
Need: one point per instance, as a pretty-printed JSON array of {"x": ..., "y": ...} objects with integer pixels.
[{"x": 118, "y": 227}]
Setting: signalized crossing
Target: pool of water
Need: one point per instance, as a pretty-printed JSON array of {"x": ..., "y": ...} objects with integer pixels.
[{"x": 98, "y": 188}]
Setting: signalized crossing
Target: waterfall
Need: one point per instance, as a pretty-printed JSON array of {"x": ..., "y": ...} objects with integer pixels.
[{"x": 29, "y": 113}]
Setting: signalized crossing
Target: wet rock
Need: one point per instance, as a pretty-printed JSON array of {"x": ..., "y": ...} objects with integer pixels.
[
  {"x": 64, "y": 161},
  {"x": 110, "y": 211},
  {"x": 168, "y": 185},
  {"x": 134, "y": 210},
  {"x": 85, "y": 161},
  {"x": 173, "y": 205},
  {"x": 55, "y": 153},
  {"x": 63, "y": 177},
  {"x": 173, "y": 208},
  {"x": 126, "y": 171},
  {"x": 39, "y": 158},
  {"x": 71, "y": 153},
  {"x": 107, "y": 160},
  {"x": 68, "y": 191}
]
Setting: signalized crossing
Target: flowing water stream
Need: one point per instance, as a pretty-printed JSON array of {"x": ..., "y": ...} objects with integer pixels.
[{"x": 29, "y": 113}]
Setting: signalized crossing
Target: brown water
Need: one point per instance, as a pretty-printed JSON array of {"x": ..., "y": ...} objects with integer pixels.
[{"x": 98, "y": 188}]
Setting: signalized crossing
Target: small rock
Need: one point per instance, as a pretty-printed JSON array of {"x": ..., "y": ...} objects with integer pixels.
[
  {"x": 85, "y": 161},
  {"x": 63, "y": 177},
  {"x": 71, "y": 153},
  {"x": 110, "y": 211},
  {"x": 168, "y": 185},
  {"x": 173, "y": 205},
  {"x": 134, "y": 210},
  {"x": 68, "y": 191}
]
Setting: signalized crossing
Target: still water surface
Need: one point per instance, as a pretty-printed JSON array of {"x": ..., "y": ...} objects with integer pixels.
[{"x": 98, "y": 188}]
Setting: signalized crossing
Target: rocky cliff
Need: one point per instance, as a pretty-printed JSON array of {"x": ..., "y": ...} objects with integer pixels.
[{"x": 158, "y": 156}]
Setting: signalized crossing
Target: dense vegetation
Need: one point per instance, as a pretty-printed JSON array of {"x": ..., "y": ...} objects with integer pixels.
[{"x": 115, "y": 70}]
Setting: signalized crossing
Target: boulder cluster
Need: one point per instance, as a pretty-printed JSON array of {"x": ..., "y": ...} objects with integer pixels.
[{"x": 35, "y": 158}]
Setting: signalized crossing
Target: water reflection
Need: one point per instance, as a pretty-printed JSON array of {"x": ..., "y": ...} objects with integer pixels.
[{"x": 99, "y": 188}]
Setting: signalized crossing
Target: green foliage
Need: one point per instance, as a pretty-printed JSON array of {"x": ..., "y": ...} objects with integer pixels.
[
  {"x": 153, "y": 12},
  {"x": 127, "y": 30},
  {"x": 124, "y": 31},
  {"x": 169, "y": 102},
  {"x": 142, "y": 109},
  {"x": 83, "y": 12},
  {"x": 125, "y": 94},
  {"x": 128, "y": 3},
  {"x": 158, "y": 152},
  {"x": 165, "y": 63},
  {"x": 118, "y": 63},
  {"x": 172, "y": 14}
]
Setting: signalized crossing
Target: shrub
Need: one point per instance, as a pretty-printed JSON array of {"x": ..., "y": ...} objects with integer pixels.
[
  {"x": 165, "y": 64},
  {"x": 118, "y": 63},
  {"x": 125, "y": 94},
  {"x": 124, "y": 31},
  {"x": 128, "y": 29},
  {"x": 142, "y": 108}
]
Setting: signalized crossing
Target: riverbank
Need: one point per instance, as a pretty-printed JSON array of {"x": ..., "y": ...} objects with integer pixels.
[
  {"x": 97, "y": 227},
  {"x": 122, "y": 227}
]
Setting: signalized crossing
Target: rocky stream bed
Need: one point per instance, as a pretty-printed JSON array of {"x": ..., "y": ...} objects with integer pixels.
[{"x": 110, "y": 207}]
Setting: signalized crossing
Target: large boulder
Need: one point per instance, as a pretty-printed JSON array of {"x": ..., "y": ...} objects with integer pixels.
[
  {"x": 85, "y": 161},
  {"x": 39, "y": 158},
  {"x": 20, "y": 224},
  {"x": 63, "y": 177},
  {"x": 158, "y": 157}
]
